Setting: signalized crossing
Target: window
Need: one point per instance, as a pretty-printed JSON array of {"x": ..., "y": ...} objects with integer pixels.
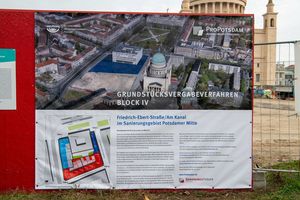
[
  {"x": 272, "y": 24},
  {"x": 280, "y": 75},
  {"x": 257, "y": 65},
  {"x": 257, "y": 78}
]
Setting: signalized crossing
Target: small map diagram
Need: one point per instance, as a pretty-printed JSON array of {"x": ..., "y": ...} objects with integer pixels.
[{"x": 76, "y": 153}]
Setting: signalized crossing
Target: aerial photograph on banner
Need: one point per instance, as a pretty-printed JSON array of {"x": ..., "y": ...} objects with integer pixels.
[{"x": 134, "y": 61}]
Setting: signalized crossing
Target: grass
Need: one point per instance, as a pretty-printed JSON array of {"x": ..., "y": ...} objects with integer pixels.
[
  {"x": 151, "y": 42},
  {"x": 72, "y": 95},
  {"x": 281, "y": 186},
  {"x": 45, "y": 77},
  {"x": 285, "y": 185},
  {"x": 157, "y": 31}
]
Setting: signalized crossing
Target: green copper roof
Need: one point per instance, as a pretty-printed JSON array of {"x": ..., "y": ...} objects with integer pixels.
[{"x": 158, "y": 58}]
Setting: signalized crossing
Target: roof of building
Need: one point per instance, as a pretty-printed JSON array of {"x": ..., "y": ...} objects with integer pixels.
[
  {"x": 39, "y": 92},
  {"x": 291, "y": 67},
  {"x": 196, "y": 66},
  {"x": 108, "y": 66},
  {"x": 128, "y": 49},
  {"x": 159, "y": 59},
  {"x": 48, "y": 62}
]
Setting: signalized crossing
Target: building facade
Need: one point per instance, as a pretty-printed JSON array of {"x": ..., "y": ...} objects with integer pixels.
[
  {"x": 280, "y": 74},
  {"x": 194, "y": 75},
  {"x": 47, "y": 66},
  {"x": 157, "y": 77},
  {"x": 289, "y": 75},
  {"x": 264, "y": 55},
  {"x": 214, "y": 6},
  {"x": 285, "y": 75},
  {"x": 127, "y": 54},
  {"x": 233, "y": 70}
]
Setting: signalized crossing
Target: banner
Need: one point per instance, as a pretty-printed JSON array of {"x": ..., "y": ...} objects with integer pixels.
[{"x": 143, "y": 101}]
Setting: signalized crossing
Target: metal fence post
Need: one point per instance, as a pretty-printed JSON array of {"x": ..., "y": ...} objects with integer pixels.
[{"x": 297, "y": 77}]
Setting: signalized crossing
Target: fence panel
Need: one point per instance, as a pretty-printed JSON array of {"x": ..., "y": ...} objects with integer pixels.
[{"x": 276, "y": 126}]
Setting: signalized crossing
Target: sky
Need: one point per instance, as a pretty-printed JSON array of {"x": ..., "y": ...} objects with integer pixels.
[{"x": 288, "y": 25}]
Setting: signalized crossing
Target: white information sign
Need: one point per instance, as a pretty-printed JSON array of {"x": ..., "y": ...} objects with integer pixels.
[{"x": 7, "y": 79}]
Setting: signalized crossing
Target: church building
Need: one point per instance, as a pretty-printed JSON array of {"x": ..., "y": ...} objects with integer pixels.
[{"x": 157, "y": 76}]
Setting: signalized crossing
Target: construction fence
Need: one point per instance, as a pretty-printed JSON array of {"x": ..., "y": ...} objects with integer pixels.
[{"x": 276, "y": 134}]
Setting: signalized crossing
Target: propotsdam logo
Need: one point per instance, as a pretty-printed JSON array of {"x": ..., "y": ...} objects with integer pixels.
[
  {"x": 53, "y": 28},
  {"x": 197, "y": 30}
]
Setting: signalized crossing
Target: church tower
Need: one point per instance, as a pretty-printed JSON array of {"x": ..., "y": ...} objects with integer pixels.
[
  {"x": 265, "y": 55},
  {"x": 270, "y": 22}
]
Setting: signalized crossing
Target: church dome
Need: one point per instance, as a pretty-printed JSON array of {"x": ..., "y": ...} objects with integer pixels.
[
  {"x": 214, "y": 6},
  {"x": 158, "y": 67},
  {"x": 159, "y": 60}
]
